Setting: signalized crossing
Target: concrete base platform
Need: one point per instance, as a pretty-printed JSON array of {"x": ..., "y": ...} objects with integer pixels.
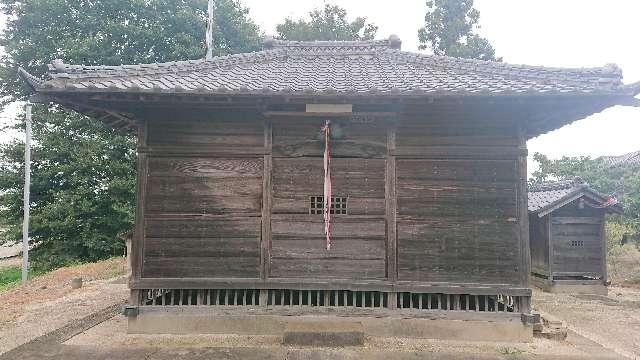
[
  {"x": 468, "y": 326},
  {"x": 595, "y": 287},
  {"x": 324, "y": 333}
]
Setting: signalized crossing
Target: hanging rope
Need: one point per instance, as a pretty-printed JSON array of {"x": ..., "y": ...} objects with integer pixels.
[{"x": 326, "y": 130}]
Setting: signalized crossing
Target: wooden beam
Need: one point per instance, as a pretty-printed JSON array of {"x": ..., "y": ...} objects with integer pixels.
[
  {"x": 329, "y": 108},
  {"x": 381, "y": 114},
  {"x": 330, "y": 284}
]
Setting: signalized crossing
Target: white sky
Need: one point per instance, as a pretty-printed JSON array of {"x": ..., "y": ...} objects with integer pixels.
[{"x": 567, "y": 33}]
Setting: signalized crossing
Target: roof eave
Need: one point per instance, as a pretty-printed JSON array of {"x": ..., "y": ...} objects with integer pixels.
[
  {"x": 571, "y": 197},
  {"x": 615, "y": 97},
  {"x": 34, "y": 83}
]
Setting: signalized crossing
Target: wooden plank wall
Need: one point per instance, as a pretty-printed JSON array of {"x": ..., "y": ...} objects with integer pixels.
[
  {"x": 203, "y": 198},
  {"x": 570, "y": 223},
  {"x": 429, "y": 200},
  {"x": 358, "y": 172},
  {"x": 457, "y": 194}
]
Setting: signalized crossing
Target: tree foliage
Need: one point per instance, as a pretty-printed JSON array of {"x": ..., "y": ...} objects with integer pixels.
[
  {"x": 329, "y": 23},
  {"x": 103, "y": 32},
  {"x": 449, "y": 30},
  {"x": 83, "y": 174},
  {"x": 622, "y": 181}
]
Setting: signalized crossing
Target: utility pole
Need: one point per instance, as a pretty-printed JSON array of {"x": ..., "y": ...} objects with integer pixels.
[
  {"x": 27, "y": 186},
  {"x": 209, "y": 35}
]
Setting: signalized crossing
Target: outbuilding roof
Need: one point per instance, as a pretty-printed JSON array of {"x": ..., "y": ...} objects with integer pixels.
[
  {"x": 632, "y": 158},
  {"x": 547, "y": 197},
  {"x": 333, "y": 67}
]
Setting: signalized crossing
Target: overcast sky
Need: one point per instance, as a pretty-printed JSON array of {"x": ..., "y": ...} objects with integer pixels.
[{"x": 567, "y": 33}]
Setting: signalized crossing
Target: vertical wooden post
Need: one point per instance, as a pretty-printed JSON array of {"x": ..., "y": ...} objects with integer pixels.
[
  {"x": 134, "y": 297},
  {"x": 200, "y": 296},
  {"x": 391, "y": 213},
  {"x": 391, "y": 205},
  {"x": 523, "y": 209},
  {"x": 264, "y": 293},
  {"x": 137, "y": 243},
  {"x": 265, "y": 239}
]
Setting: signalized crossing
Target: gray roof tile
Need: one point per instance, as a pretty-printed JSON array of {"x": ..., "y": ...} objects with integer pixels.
[
  {"x": 547, "y": 195},
  {"x": 325, "y": 67},
  {"x": 630, "y": 159}
]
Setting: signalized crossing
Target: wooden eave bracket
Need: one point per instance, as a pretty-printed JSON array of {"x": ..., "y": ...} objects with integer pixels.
[{"x": 119, "y": 121}]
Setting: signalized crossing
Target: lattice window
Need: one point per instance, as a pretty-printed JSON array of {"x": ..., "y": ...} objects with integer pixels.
[
  {"x": 577, "y": 243},
  {"x": 338, "y": 205}
]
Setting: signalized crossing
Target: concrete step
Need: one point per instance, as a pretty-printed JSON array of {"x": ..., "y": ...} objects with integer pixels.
[
  {"x": 324, "y": 333},
  {"x": 550, "y": 328}
]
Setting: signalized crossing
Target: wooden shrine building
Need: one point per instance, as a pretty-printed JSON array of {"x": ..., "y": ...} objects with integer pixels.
[
  {"x": 427, "y": 168},
  {"x": 566, "y": 234}
]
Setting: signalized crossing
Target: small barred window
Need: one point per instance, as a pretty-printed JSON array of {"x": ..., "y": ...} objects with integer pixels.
[
  {"x": 577, "y": 243},
  {"x": 338, "y": 205}
]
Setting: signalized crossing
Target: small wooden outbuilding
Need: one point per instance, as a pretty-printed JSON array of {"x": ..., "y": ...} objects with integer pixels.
[
  {"x": 566, "y": 235},
  {"x": 427, "y": 172}
]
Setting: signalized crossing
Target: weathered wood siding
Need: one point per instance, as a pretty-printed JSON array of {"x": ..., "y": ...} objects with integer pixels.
[
  {"x": 458, "y": 208},
  {"x": 577, "y": 240},
  {"x": 428, "y": 200},
  {"x": 358, "y": 166},
  {"x": 203, "y": 198}
]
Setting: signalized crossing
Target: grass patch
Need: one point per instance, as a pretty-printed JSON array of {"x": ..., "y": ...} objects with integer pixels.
[
  {"x": 509, "y": 351},
  {"x": 11, "y": 276},
  {"x": 624, "y": 265}
]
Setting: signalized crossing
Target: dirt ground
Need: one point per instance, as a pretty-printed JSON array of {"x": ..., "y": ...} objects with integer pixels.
[
  {"x": 48, "y": 302},
  {"x": 612, "y": 321},
  {"x": 603, "y": 327},
  {"x": 623, "y": 266}
]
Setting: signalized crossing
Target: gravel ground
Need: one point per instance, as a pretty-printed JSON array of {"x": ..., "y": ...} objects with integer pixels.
[
  {"x": 612, "y": 321},
  {"x": 48, "y": 302}
]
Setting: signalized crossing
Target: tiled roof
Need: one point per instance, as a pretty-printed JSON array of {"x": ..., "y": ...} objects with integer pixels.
[
  {"x": 547, "y": 195},
  {"x": 632, "y": 158},
  {"x": 333, "y": 68}
]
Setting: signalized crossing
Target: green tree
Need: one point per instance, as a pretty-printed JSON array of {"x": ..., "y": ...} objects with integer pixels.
[
  {"x": 329, "y": 23},
  {"x": 83, "y": 173},
  {"x": 449, "y": 30}
]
